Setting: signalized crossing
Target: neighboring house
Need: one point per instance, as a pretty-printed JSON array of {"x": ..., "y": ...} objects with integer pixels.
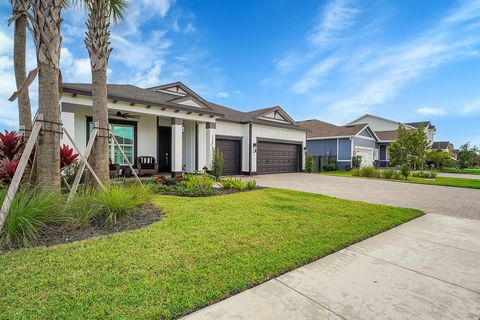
[
  {"x": 181, "y": 130},
  {"x": 444, "y": 146},
  {"x": 344, "y": 142},
  {"x": 386, "y": 130}
]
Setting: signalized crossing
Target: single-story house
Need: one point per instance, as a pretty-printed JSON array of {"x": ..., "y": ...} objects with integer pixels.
[
  {"x": 181, "y": 130},
  {"x": 344, "y": 142},
  {"x": 386, "y": 131},
  {"x": 444, "y": 146}
]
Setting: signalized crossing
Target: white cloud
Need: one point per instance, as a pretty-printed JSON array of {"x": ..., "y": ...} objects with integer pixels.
[
  {"x": 337, "y": 17},
  {"x": 158, "y": 7},
  {"x": 74, "y": 69},
  {"x": 223, "y": 94},
  {"x": 472, "y": 107},
  {"x": 6, "y": 44},
  {"x": 312, "y": 77},
  {"x": 428, "y": 111}
]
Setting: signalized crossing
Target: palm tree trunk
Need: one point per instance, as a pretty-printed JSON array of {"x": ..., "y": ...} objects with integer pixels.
[
  {"x": 45, "y": 17},
  {"x": 97, "y": 43},
  {"x": 48, "y": 156},
  {"x": 19, "y": 50},
  {"x": 100, "y": 154}
]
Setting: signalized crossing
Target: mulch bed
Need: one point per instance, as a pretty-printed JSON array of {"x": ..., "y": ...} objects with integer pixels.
[{"x": 57, "y": 234}]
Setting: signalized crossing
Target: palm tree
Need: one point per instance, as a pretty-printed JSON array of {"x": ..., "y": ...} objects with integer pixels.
[
  {"x": 45, "y": 19},
  {"x": 20, "y": 10},
  {"x": 97, "y": 41}
]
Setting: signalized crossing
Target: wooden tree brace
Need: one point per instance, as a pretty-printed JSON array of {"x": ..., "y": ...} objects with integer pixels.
[
  {"x": 17, "y": 177},
  {"x": 83, "y": 163}
]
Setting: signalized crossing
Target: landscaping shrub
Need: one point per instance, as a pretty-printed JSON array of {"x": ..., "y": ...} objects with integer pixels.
[
  {"x": 424, "y": 174},
  {"x": 369, "y": 172},
  {"x": 217, "y": 163},
  {"x": 83, "y": 208},
  {"x": 309, "y": 163},
  {"x": 355, "y": 172},
  {"x": 195, "y": 186},
  {"x": 388, "y": 173},
  {"x": 397, "y": 175},
  {"x": 31, "y": 210},
  {"x": 237, "y": 184},
  {"x": 331, "y": 166},
  {"x": 356, "y": 161},
  {"x": 117, "y": 201},
  {"x": 251, "y": 184}
]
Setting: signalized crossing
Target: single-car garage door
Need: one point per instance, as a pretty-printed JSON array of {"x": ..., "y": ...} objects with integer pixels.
[
  {"x": 273, "y": 157},
  {"x": 231, "y": 155}
]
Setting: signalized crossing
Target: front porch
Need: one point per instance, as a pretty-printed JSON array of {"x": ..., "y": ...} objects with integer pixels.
[{"x": 179, "y": 141}]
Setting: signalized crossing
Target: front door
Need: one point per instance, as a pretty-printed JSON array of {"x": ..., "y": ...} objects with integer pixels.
[{"x": 164, "y": 147}]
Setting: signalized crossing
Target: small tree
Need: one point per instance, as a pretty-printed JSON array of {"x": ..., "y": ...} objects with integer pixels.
[
  {"x": 309, "y": 163},
  {"x": 438, "y": 157},
  {"x": 405, "y": 169},
  {"x": 217, "y": 163},
  {"x": 410, "y": 148},
  {"x": 356, "y": 161}
]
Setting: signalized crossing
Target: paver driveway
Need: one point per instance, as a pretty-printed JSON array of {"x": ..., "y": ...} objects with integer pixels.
[
  {"x": 461, "y": 202},
  {"x": 428, "y": 268}
]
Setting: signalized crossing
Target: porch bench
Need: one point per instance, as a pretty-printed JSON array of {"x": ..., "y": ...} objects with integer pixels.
[{"x": 147, "y": 165}]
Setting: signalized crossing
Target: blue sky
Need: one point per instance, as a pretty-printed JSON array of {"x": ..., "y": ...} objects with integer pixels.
[{"x": 335, "y": 60}]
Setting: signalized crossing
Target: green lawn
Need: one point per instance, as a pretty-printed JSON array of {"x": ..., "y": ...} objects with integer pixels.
[
  {"x": 462, "y": 171},
  {"x": 205, "y": 249},
  {"x": 438, "y": 181}
]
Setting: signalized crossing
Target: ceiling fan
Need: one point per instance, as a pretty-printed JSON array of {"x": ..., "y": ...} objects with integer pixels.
[{"x": 124, "y": 115}]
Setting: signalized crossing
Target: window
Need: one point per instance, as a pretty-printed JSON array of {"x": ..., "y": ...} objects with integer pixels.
[{"x": 125, "y": 135}]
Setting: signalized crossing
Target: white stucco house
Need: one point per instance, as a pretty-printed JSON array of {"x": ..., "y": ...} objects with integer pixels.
[{"x": 181, "y": 130}]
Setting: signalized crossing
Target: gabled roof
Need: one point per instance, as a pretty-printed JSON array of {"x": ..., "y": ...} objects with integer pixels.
[
  {"x": 424, "y": 124},
  {"x": 381, "y": 118},
  {"x": 160, "y": 96},
  {"x": 320, "y": 129}
]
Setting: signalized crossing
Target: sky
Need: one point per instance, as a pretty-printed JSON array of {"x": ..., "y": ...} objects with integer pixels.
[{"x": 406, "y": 60}]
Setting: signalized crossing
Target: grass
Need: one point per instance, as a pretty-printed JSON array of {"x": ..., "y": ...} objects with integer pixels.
[
  {"x": 461, "y": 171},
  {"x": 438, "y": 181},
  {"x": 204, "y": 250},
  {"x": 30, "y": 211}
]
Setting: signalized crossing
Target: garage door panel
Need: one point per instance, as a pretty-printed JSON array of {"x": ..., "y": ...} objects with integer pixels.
[{"x": 277, "y": 157}]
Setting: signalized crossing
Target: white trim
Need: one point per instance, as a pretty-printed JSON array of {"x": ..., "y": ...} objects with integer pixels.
[
  {"x": 365, "y": 148},
  {"x": 344, "y": 160},
  {"x": 338, "y": 148},
  {"x": 330, "y": 138},
  {"x": 366, "y": 138}
]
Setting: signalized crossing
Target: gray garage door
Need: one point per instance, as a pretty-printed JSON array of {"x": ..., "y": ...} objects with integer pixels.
[
  {"x": 231, "y": 155},
  {"x": 275, "y": 157}
]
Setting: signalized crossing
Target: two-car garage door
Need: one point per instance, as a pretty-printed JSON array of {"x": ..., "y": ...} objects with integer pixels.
[{"x": 274, "y": 157}]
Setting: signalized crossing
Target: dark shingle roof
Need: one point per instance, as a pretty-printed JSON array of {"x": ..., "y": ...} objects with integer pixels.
[
  {"x": 424, "y": 124},
  {"x": 441, "y": 145},
  {"x": 149, "y": 96},
  {"x": 321, "y": 129},
  {"x": 388, "y": 135}
]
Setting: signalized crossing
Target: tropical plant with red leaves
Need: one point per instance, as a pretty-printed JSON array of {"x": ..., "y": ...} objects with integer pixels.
[
  {"x": 11, "y": 145},
  {"x": 7, "y": 170},
  {"x": 67, "y": 157}
]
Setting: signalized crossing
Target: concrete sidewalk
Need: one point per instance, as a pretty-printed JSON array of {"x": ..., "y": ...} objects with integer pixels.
[{"x": 428, "y": 268}]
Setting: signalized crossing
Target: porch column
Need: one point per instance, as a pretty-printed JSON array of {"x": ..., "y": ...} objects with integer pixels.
[
  {"x": 210, "y": 129},
  {"x": 177, "y": 140},
  {"x": 201, "y": 145}
]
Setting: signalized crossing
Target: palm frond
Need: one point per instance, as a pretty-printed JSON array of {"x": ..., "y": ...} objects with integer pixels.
[{"x": 118, "y": 8}]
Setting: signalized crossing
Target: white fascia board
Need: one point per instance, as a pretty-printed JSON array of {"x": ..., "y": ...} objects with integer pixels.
[{"x": 330, "y": 138}]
